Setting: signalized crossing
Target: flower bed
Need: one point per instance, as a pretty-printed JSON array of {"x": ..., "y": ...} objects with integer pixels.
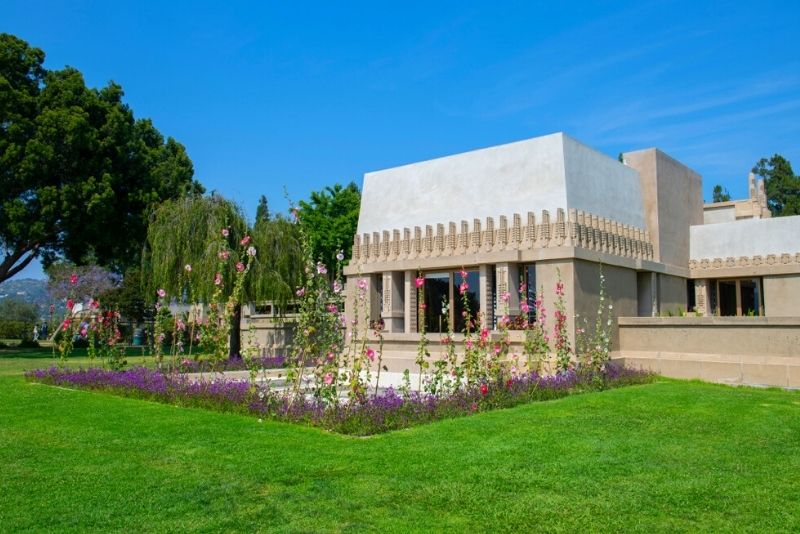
[{"x": 374, "y": 414}]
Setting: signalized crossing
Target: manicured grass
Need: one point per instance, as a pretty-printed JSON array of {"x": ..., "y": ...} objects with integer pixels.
[
  {"x": 15, "y": 361},
  {"x": 668, "y": 456}
]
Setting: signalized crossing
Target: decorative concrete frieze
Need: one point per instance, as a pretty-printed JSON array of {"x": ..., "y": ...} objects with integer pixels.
[
  {"x": 573, "y": 228},
  {"x": 757, "y": 265}
]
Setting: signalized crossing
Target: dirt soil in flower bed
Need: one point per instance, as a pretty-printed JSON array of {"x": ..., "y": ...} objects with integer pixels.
[{"x": 386, "y": 411}]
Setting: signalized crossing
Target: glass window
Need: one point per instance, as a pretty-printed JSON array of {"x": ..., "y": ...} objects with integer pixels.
[
  {"x": 437, "y": 300},
  {"x": 471, "y": 293},
  {"x": 727, "y": 297},
  {"x": 737, "y": 297},
  {"x": 749, "y": 297}
]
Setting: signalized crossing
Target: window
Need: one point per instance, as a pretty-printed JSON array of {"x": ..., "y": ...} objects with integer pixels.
[
  {"x": 736, "y": 297},
  {"x": 444, "y": 301}
]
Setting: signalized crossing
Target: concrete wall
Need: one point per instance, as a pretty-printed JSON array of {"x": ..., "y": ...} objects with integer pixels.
[
  {"x": 719, "y": 213},
  {"x": 621, "y": 290},
  {"x": 734, "y": 350},
  {"x": 748, "y": 237},
  {"x": 673, "y": 200},
  {"x": 671, "y": 294},
  {"x": 544, "y": 173},
  {"x": 782, "y": 296},
  {"x": 602, "y": 185}
]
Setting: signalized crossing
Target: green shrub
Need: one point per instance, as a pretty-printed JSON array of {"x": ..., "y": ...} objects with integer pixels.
[{"x": 12, "y": 329}]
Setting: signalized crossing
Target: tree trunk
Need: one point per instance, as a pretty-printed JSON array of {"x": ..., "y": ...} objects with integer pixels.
[{"x": 236, "y": 332}]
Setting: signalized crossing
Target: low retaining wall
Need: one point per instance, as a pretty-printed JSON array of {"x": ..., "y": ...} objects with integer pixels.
[{"x": 763, "y": 351}]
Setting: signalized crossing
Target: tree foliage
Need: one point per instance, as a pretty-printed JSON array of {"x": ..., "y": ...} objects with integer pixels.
[
  {"x": 720, "y": 195},
  {"x": 330, "y": 218},
  {"x": 18, "y": 310},
  {"x": 78, "y": 173},
  {"x": 262, "y": 210},
  {"x": 781, "y": 183},
  {"x": 90, "y": 281},
  {"x": 188, "y": 231}
]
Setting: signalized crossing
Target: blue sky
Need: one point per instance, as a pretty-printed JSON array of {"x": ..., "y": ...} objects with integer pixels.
[{"x": 274, "y": 95}]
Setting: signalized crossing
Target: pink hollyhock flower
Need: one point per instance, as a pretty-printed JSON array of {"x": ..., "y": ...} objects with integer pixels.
[
  {"x": 469, "y": 344},
  {"x": 245, "y": 240},
  {"x": 73, "y": 280},
  {"x": 328, "y": 379},
  {"x": 463, "y": 287},
  {"x": 559, "y": 289},
  {"x": 70, "y": 304},
  {"x": 524, "y": 307},
  {"x": 505, "y": 296},
  {"x": 362, "y": 284},
  {"x": 330, "y": 356},
  {"x": 484, "y": 333},
  {"x": 66, "y": 323},
  {"x": 321, "y": 269},
  {"x": 423, "y": 306},
  {"x": 484, "y": 389},
  {"x": 371, "y": 354},
  {"x": 161, "y": 293},
  {"x": 251, "y": 251},
  {"x": 337, "y": 287},
  {"x": 223, "y": 254},
  {"x": 463, "y": 274},
  {"x": 497, "y": 349},
  {"x": 420, "y": 281},
  {"x": 240, "y": 266},
  {"x": 218, "y": 279},
  {"x": 225, "y": 232},
  {"x": 300, "y": 292},
  {"x": 333, "y": 308}
]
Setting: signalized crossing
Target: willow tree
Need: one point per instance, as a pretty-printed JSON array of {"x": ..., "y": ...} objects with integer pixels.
[{"x": 188, "y": 232}]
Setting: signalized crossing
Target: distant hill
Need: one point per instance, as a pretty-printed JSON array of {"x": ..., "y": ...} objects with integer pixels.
[{"x": 27, "y": 290}]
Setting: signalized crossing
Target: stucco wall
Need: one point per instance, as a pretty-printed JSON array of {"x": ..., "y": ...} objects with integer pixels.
[
  {"x": 673, "y": 200},
  {"x": 602, "y": 185},
  {"x": 544, "y": 173},
  {"x": 748, "y": 237},
  {"x": 782, "y": 296},
  {"x": 620, "y": 290},
  {"x": 671, "y": 294},
  {"x": 736, "y": 350},
  {"x": 724, "y": 212}
]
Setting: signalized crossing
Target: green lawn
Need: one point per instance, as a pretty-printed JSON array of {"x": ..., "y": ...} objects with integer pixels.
[
  {"x": 664, "y": 457},
  {"x": 15, "y": 361}
]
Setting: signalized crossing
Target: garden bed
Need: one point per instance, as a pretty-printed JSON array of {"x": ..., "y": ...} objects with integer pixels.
[{"x": 388, "y": 410}]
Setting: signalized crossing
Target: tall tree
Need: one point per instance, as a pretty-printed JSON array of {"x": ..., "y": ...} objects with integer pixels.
[
  {"x": 262, "y": 211},
  {"x": 187, "y": 231},
  {"x": 781, "y": 183},
  {"x": 720, "y": 195},
  {"x": 78, "y": 173},
  {"x": 330, "y": 218}
]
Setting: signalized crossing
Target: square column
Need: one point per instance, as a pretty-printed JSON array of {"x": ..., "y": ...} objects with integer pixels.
[
  {"x": 486, "y": 296},
  {"x": 393, "y": 312},
  {"x": 410, "y": 302},
  {"x": 506, "y": 279}
]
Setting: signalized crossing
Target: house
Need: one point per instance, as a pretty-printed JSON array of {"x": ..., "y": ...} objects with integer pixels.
[{"x": 520, "y": 217}]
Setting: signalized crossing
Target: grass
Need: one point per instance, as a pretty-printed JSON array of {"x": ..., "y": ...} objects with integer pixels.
[
  {"x": 664, "y": 457},
  {"x": 15, "y": 361}
]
